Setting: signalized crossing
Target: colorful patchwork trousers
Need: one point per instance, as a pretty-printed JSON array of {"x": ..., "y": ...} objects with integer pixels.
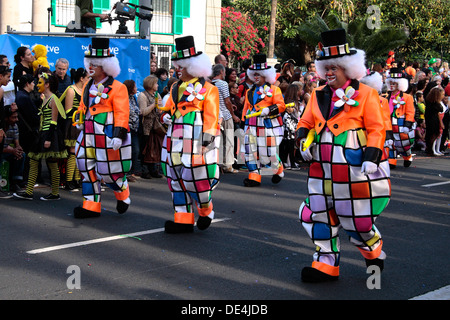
[
  {"x": 191, "y": 175},
  {"x": 263, "y": 136},
  {"x": 340, "y": 196},
  {"x": 402, "y": 141},
  {"x": 97, "y": 160}
]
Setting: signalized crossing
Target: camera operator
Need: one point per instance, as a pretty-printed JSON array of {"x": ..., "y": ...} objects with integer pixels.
[{"x": 88, "y": 16}]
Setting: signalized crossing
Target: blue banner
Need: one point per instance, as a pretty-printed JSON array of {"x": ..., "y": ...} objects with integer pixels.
[{"x": 133, "y": 54}]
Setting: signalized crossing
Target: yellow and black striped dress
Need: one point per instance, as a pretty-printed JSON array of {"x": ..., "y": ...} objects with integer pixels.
[
  {"x": 71, "y": 132},
  {"x": 57, "y": 149}
]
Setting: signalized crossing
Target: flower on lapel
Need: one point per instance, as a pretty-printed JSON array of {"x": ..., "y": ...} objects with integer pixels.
[
  {"x": 398, "y": 101},
  {"x": 265, "y": 91},
  {"x": 100, "y": 94},
  {"x": 346, "y": 97},
  {"x": 194, "y": 92}
]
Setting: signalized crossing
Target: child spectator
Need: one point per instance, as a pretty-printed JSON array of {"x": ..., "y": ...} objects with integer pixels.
[{"x": 12, "y": 151}]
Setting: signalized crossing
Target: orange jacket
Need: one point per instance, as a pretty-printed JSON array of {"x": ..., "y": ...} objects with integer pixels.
[
  {"x": 366, "y": 115},
  {"x": 275, "y": 99},
  {"x": 209, "y": 106},
  {"x": 117, "y": 102}
]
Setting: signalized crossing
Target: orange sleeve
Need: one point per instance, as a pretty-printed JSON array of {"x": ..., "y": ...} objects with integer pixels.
[
  {"x": 211, "y": 111},
  {"x": 409, "y": 108},
  {"x": 278, "y": 99},
  {"x": 307, "y": 120},
  {"x": 374, "y": 120},
  {"x": 121, "y": 105}
]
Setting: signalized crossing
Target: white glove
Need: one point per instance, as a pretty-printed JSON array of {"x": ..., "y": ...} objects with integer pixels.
[
  {"x": 405, "y": 130},
  {"x": 117, "y": 143},
  {"x": 368, "y": 167},
  {"x": 388, "y": 143},
  {"x": 265, "y": 112},
  {"x": 306, "y": 155},
  {"x": 167, "y": 119},
  {"x": 80, "y": 126}
]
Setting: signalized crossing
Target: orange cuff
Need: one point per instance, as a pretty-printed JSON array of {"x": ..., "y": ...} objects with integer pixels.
[
  {"x": 254, "y": 176},
  {"x": 372, "y": 254},
  {"x": 205, "y": 211},
  {"x": 326, "y": 268},
  {"x": 92, "y": 206},
  {"x": 122, "y": 195},
  {"x": 184, "y": 217}
]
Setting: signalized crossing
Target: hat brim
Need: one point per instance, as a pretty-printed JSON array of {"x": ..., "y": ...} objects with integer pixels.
[
  {"x": 352, "y": 52},
  {"x": 183, "y": 58}
]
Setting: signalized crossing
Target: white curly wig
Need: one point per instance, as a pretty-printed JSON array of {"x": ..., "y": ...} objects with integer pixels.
[
  {"x": 198, "y": 66},
  {"x": 110, "y": 65},
  {"x": 353, "y": 65},
  {"x": 374, "y": 80},
  {"x": 269, "y": 74},
  {"x": 402, "y": 83}
]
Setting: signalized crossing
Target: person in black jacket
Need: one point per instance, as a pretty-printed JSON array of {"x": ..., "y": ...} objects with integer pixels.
[{"x": 28, "y": 112}]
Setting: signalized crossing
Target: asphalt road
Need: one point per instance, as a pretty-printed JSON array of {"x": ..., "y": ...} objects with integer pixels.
[{"x": 254, "y": 250}]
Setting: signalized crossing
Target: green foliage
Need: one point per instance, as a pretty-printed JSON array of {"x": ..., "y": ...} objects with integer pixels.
[{"x": 427, "y": 22}]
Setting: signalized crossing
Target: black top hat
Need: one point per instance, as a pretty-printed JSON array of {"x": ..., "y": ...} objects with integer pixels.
[
  {"x": 333, "y": 45},
  {"x": 396, "y": 73},
  {"x": 98, "y": 49},
  {"x": 185, "y": 48},
  {"x": 259, "y": 62}
]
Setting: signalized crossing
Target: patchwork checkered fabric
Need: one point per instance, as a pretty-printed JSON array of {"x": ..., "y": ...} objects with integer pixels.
[
  {"x": 402, "y": 141},
  {"x": 96, "y": 158},
  {"x": 263, "y": 136},
  {"x": 340, "y": 196},
  {"x": 191, "y": 176}
]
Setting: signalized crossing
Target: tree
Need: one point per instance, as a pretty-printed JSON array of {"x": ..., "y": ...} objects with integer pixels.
[
  {"x": 239, "y": 38},
  {"x": 375, "y": 42}
]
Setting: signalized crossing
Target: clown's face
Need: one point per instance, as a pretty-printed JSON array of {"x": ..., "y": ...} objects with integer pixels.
[
  {"x": 259, "y": 79},
  {"x": 393, "y": 86},
  {"x": 335, "y": 76},
  {"x": 41, "y": 85}
]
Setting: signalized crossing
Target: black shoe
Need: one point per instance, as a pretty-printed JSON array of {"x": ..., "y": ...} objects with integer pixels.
[
  {"x": 310, "y": 274},
  {"x": 155, "y": 174},
  {"x": 71, "y": 186},
  {"x": 203, "y": 222},
  {"x": 406, "y": 163},
  {"x": 121, "y": 206},
  {"x": 7, "y": 195},
  {"x": 50, "y": 197},
  {"x": 81, "y": 213},
  {"x": 173, "y": 227},
  {"x": 375, "y": 262},
  {"x": 146, "y": 175},
  {"x": 251, "y": 183},
  {"x": 23, "y": 195},
  {"x": 276, "y": 178}
]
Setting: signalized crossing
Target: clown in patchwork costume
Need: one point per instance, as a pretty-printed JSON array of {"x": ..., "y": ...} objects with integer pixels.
[
  {"x": 375, "y": 80},
  {"x": 189, "y": 157},
  {"x": 103, "y": 148},
  {"x": 401, "y": 107},
  {"x": 263, "y": 128},
  {"x": 348, "y": 182}
]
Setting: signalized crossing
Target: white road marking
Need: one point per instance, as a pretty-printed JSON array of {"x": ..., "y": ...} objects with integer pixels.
[
  {"x": 435, "y": 184},
  {"x": 118, "y": 237},
  {"x": 439, "y": 294}
]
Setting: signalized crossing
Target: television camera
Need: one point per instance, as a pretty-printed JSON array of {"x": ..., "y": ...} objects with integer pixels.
[{"x": 126, "y": 11}]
